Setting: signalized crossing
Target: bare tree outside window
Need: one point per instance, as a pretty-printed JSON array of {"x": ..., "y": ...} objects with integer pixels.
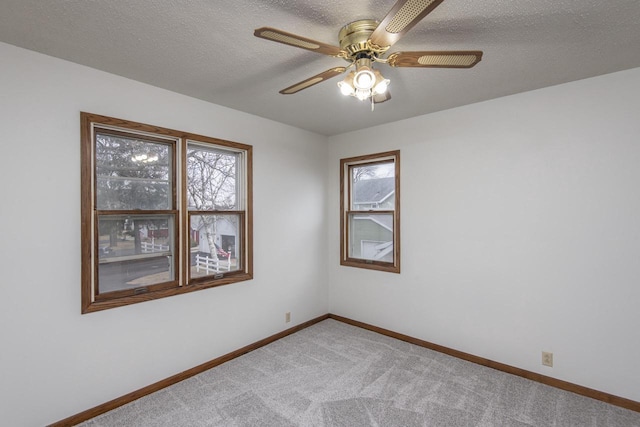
[
  {"x": 211, "y": 178},
  {"x": 214, "y": 203},
  {"x": 211, "y": 187}
]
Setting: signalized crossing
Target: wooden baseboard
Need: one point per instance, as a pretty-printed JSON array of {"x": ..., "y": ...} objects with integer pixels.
[
  {"x": 543, "y": 379},
  {"x": 130, "y": 397}
]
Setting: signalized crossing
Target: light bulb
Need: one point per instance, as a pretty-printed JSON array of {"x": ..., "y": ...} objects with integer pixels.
[
  {"x": 345, "y": 88},
  {"x": 346, "y": 85},
  {"x": 363, "y": 94},
  {"x": 381, "y": 86},
  {"x": 381, "y": 83},
  {"x": 364, "y": 79}
]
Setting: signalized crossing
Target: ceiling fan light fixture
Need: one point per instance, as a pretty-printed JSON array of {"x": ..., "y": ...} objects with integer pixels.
[
  {"x": 364, "y": 78},
  {"x": 381, "y": 87},
  {"x": 362, "y": 94},
  {"x": 381, "y": 84},
  {"x": 364, "y": 83},
  {"x": 346, "y": 85}
]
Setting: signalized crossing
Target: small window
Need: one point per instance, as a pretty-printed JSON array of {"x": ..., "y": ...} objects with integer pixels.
[
  {"x": 370, "y": 211},
  {"x": 163, "y": 212}
]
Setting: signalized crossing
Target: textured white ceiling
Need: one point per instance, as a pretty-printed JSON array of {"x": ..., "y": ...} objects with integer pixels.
[{"x": 206, "y": 49}]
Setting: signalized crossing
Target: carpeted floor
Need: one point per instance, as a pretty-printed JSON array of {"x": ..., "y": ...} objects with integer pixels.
[{"x": 334, "y": 374}]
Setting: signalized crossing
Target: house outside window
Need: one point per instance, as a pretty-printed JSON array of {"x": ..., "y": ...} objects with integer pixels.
[
  {"x": 158, "y": 205},
  {"x": 370, "y": 211}
]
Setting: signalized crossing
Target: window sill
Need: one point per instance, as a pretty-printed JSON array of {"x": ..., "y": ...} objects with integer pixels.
[{"x": 94, "y": 306}]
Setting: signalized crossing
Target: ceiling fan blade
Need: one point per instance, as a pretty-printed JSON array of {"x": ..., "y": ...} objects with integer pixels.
[
  {"x": 400, "y": 19},
  {"x": 436, "y": 59},
  {"x": 280, "y": 36},
  {"x": 381, "y": 97},
  {"x": 318, "y": 78}
]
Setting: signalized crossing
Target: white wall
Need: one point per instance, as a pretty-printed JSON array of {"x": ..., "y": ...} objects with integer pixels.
[
  {"x": 55, "y": 362},
  {"x": 520, "y": 231}
]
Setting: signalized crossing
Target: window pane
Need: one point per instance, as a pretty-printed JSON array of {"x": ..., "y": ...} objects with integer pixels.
[
  {"x": 135, "y": 251},
  {"x": 211, "y": 179},
  {"x": 215, "y": 244},
  {"x": 371, "y": 237},
  {"x": 373, "y": 187},
  {"x": 132, "y": 173}
]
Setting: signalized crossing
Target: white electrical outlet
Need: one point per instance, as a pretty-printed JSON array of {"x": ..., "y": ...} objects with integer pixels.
[
  {"x": 287, "y": 317},
  {"x": 547, "y": 358}
]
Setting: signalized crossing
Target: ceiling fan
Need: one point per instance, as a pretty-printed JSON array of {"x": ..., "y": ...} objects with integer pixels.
[{"x": 365, "y": 42}]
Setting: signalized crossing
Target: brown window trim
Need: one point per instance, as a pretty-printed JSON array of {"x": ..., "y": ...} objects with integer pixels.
[
  {"x": 90, "y": 301},
  {"x": 346, "y": 212}
]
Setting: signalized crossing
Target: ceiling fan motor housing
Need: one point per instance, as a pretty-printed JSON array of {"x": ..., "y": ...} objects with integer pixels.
[{"x": 354, "y": 39}]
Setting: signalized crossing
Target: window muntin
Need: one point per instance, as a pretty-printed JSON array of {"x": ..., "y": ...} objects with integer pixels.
[
  {"x": 143, "y": 188},
  {"x": 370, "y": 211}
]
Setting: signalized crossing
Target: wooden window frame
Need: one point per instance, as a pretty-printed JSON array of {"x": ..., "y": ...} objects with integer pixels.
[
  {"x": 92, "y": 301},
  {"x": 346, "y": 211}
]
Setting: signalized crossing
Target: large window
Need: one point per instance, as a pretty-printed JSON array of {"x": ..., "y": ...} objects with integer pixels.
[
  {"x": 370, "y": 211},
  {"x": 163, "y": 212}
]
